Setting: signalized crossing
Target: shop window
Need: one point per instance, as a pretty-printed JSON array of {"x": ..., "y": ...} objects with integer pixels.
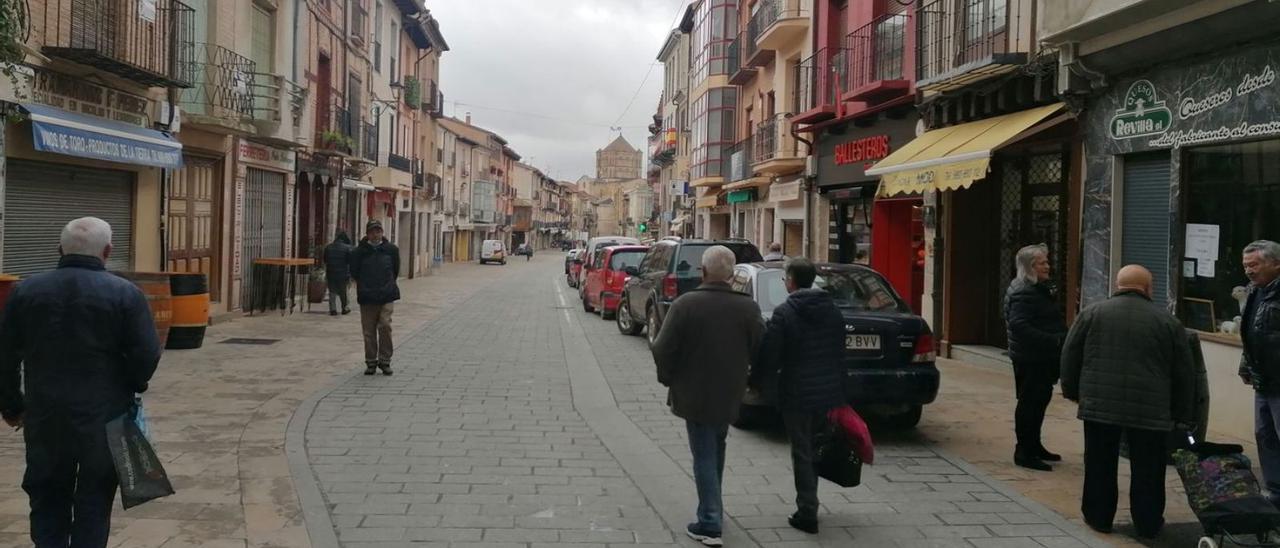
[{"x": 1232, "y": 196}]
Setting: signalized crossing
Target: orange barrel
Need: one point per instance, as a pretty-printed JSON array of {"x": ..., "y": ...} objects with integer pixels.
[
  {"x": 190, "y": 310},
  {"x": 6, "y": 285},
  {"x": 155, "y": 285}
]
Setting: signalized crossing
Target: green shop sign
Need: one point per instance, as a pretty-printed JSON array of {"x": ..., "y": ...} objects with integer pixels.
[
  {"x": 1143, "y": 113},
  {"x": 740, "y": 196}
]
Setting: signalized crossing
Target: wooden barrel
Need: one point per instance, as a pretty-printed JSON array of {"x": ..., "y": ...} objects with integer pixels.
[
  {"x": 6, "y": 285},
  {"x": 155, "y": 285},
  {"x": 190, "y": 310}
]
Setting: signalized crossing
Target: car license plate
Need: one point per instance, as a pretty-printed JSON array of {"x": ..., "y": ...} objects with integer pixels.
[{"x": 862, "y": 342}]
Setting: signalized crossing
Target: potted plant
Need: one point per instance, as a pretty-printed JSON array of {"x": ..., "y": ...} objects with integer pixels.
[{"x": 412, "y": 91}]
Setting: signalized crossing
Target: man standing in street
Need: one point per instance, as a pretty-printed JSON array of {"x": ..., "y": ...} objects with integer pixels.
[
  {"x": 702, "y": 354},
  {"x": 804, "y": 345},
  {"x": 1127, "y": 362},
  {"x": 1260, "y": 364},
  {"x": 84, "y": 342},
  {"x": 337, "y": 272},
  {"x": 775, "y": 253},
  {"x": 375, "y": 265}
]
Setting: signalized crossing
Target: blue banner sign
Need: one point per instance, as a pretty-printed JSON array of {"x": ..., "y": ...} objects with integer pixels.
[{"x": 64, "y": 132}]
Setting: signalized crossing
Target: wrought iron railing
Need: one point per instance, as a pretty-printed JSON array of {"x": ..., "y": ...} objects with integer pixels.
[
  {"x": 396, "y": 161},
  {"x": 369, "y": 141},
  {"x": 771, "y": 11},
  {"x": 877, "y": 51},
  {"x": 751, "y": 34},
  {"x": 336, "y": 128},
  {"x": 148, "y": 42},
  {"x": 773, "y": 139},
  {"x": 272, "y": 93},
  {"x": 953, "y": 33},
  {"x": 223, "y": 84},
  {"x": 737, "y": 160},
  {"x": 733, "y": 63},
  {"x": 820, "y": 79}
]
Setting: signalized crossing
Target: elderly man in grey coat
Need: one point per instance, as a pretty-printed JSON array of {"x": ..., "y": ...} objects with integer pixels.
[
  {"x": 702, "y": 354},
  {"x": 1127, "y": 363}
]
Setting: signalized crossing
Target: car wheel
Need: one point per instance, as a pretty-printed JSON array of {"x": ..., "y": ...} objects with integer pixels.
[
  {"x": 652, "y": 325},
  {"x": 627, "y": 324},
  {"x": 604, "y": 312},
  {"x": 908, "y": 419}
]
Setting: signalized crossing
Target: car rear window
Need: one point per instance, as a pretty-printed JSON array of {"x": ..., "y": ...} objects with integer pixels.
[
  {"x": 852, "y": 289},
  {"x": 620, "y": 260},
  {"x": 689, "y": 260}
]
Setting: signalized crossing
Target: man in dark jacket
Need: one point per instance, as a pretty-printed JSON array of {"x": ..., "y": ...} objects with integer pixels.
[
  {"x": 1128, "y": 364},
  {"x": 804, "y": 344},
  {"x": 1260, "y": 363},
  {"x": 1036, "y": 328},
  {"x": 84, "y": 342},
  {"x": 375, "y": 265},
  {"x": 702, "y": 354},
  {"x": 337, "y": 272}
]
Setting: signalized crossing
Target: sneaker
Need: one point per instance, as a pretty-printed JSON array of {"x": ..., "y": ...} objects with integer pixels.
[
  {"x": 386, "y": 369},
  {"x": 333, "y": 312},
  {"x": 706, "y": 538},
  {"x": 346, "y": 311},
  {"x": 370, "y": 368},
  {"x": 808, "y": 525}
]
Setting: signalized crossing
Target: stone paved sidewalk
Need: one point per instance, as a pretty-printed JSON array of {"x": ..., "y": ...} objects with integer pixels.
[
  {"x": 218, "y": 416},
  {"x": 521, "y": 421}
]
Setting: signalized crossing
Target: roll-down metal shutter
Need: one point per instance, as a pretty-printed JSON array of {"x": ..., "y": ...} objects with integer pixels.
[
  {"x": 263, "y": 223},
  {"x": 41, "y": 198},
  {"x": 1144, "y": 237}
]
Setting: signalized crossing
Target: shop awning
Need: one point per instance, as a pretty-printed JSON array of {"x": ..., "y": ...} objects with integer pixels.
[
  {"x": 74, "y": 134},
  {"x": 707, "y": 201},
  {"x": 953, "y": 157}
]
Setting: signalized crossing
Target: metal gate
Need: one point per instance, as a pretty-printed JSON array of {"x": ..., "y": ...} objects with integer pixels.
[
  {"x": 1033, "y": 210},
  {"x": 41, "y": 198},
  {"x": 263, "y": 224}
]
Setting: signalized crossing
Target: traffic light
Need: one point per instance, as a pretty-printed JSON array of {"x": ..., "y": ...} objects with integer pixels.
[{"x": 644, "y": 227}]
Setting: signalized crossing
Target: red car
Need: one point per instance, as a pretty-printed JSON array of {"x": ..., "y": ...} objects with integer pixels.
[{"x": 602, "y": 286}]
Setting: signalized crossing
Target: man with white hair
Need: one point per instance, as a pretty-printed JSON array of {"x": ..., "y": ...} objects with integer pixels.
[
  {"x": 83, "y": 342},
  {"x": 702, "y": 354},
  {"x": 1260, "y": 363}
]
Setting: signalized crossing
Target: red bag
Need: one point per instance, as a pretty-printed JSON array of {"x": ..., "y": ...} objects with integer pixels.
[{"x": 855, "y": 430}]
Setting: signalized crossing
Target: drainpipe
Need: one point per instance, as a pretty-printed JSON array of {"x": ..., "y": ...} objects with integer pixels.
[
  {"x": 293, "y": 73},
  {"x": 805, "y": 187}
]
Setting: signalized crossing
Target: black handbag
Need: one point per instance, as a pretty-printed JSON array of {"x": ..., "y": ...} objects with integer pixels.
[{"x": 835, "y": 458}]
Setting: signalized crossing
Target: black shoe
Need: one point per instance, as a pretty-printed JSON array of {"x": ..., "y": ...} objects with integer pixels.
[
  {"x": 370, "y": 368},
  {"x": 386, "y": 369},
  {"x": 1149, "y": 534},
  {"x": 808, "y": 525},
  {"x": 333, "y": 312},
  {"x": 346, "y": 311},
  {"x": 1101, "y": 528},
  {"x": 1032, "y": 462},
  {"x": 1047, "y": 456}
]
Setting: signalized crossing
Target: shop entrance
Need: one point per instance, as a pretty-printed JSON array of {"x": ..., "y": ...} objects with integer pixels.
[
  {"x": 792, "y": 238},
  {"x": 194, "y": 220}
]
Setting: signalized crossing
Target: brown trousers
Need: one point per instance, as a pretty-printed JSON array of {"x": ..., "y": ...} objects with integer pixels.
[{"x": 375, "y": 322}]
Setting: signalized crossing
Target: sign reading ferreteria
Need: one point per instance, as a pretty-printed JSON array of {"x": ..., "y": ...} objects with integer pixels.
[
  {"x": 263, "y": 155},
  {"x": 1229, "y": 98}
]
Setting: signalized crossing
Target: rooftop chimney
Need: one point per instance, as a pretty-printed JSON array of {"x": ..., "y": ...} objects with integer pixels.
[{"x": 468, "y": 118}]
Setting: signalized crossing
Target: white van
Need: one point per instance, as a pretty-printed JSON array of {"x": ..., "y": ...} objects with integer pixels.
[{"x": 491, "y": 251}]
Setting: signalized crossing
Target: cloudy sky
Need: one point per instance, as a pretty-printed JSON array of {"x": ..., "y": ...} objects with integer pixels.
[{"x": 552, "y": 76}]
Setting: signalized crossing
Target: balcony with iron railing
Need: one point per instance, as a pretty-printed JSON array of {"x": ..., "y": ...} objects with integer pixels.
[
  {"x": 737, "y": 161},
  {"x": 739, "y": 72},
  {"x": 401, "y": 163},
  {"x": 336, "y": 129},
  {"x": 222, "y": 87},
  {"x": 432, "y": 99},
  {"x": 877, "y": 60},
  {"x": 961, "y": 42},
  {"x": 150, "y": 43},
  {"x": 782, "y": 23},
  {"x": 777, "y": 151},
  {"x": 820, "y": 80},
  {"x": 754, "y": 56},
  {"x": 369, "y": 142},
  {"x": 277, "y": 100}
]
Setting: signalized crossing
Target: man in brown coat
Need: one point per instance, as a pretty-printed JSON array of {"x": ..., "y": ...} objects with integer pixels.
[{"x": 702, "y": 354}]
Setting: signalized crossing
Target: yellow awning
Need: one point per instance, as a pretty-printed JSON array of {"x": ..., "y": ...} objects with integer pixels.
[{"x": 953, "y": 157}]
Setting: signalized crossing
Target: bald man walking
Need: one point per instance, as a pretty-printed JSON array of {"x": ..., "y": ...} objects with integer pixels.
[{"x": 1127, "y": 363}]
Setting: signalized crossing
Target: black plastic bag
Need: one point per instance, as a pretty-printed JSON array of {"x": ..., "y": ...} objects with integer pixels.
[
  {"x": 836, "y": 459},
  {"x": 142, "y": 478}
]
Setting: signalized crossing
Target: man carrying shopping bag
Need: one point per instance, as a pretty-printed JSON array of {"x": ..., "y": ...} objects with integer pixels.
[{"x": 84, "y": 342}]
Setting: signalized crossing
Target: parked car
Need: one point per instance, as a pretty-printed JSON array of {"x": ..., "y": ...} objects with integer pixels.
[
  {"x": 594, "y": 246},
  {"x": 889, "y": 351},
  {"x": 571, "y": 263},
  {"x": 492, "y": 251},
  {"x": 602, "y": 284},
  {"x": 668, "y": 270}
]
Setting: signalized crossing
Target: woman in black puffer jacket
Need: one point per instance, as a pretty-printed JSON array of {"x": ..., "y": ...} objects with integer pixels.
[{"x": 1036, "y": 330}]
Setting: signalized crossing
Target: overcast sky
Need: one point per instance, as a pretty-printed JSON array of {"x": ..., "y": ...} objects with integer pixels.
[{"x": 552, "y": 76}]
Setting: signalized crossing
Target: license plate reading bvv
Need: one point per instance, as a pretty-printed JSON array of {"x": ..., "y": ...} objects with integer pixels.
[{"x": 862, "y": 342}]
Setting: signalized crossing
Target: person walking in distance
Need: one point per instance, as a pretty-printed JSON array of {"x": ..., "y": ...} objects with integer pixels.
[
  {"x": 775, "y": 252},
  {"x": 1036, "y": 328},
  {"x": 375, "y": 265},
  {"x": 702, "y": 354},
  {"x": 1260, "y": 364},
  {"x": 1128, "y": 364},
  {"x": 83, "y": 342},
  {"x": 804, "y": 344},
  {"x": 337, "y": 272}
]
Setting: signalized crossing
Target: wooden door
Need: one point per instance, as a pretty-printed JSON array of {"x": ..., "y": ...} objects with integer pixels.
[{"x": 193, "y": 223}]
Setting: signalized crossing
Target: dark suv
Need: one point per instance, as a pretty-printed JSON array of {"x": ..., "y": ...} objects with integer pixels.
[{"x": 670, "y": 269}]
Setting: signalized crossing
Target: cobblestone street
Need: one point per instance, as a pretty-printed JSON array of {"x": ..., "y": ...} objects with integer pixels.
[{"x": 516, "y": 420}]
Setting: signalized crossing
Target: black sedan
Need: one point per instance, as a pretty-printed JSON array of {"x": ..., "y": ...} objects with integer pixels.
[{"x": 889, "y": 350}]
